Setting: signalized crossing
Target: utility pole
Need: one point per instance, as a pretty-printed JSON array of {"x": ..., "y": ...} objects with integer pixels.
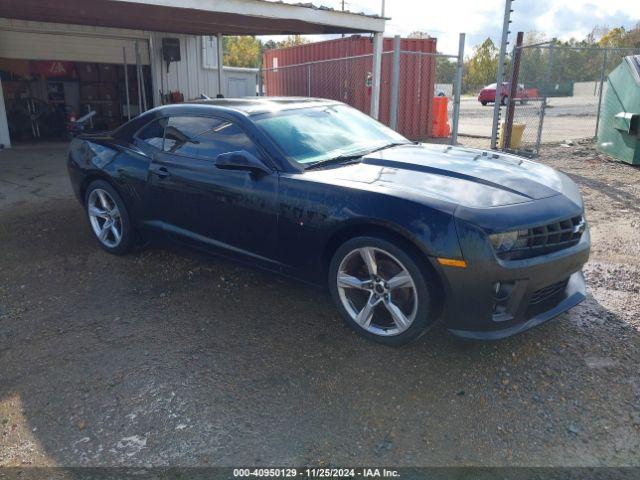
[{"x": 500, "y": 74}]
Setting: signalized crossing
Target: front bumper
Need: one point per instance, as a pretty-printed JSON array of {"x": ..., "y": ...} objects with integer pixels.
[
  {"x": 540, "y": 288},
  {"x": 574, "y": 294}
]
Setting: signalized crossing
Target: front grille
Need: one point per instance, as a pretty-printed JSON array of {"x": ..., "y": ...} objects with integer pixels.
[
  {"x": 549, "y": 291},
  {"x": 546, "y": 239}
]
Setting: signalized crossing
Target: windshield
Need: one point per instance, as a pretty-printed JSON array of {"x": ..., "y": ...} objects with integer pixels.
[{"x": 316, "y": 134}]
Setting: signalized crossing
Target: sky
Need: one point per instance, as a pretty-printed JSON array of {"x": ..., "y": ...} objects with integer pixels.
[{"x": 481, "y": 18}]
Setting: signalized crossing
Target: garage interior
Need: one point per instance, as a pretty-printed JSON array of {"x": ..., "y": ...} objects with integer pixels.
[
  {"x": 42, "y": 96},
  {"x": 62, "y": 60}
]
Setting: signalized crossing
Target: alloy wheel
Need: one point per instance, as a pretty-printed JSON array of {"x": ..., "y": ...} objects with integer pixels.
[
  {"x": 377, "y": 291},
  {"x": 105, "y": 218}
]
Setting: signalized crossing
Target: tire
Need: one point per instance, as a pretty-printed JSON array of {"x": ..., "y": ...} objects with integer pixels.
[
  {"x": 484, "y": 104},
  {"x": 109, "y": 207},
  {"x": 413, "y": 301},
  {"x": 503, "y": 101}
]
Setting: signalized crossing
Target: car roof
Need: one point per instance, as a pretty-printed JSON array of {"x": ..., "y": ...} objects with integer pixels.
[
  {"x": 241, "y": 105},
  {"x": 254, "y": 105}
]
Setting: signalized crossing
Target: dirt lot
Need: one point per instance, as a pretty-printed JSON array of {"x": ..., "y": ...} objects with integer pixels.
[{"x": 168, "y": 357}]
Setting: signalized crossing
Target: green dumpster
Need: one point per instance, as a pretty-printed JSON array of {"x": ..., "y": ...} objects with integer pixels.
[
  {"x": 558, "y": 89},
  {"x": 619, "y": 126}
]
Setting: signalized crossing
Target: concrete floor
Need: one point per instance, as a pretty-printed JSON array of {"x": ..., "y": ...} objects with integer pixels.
[{"x": 33, "y": 173}]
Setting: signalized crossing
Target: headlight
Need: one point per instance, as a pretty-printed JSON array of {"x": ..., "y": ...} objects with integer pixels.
[{"x": 505, "y": 241}]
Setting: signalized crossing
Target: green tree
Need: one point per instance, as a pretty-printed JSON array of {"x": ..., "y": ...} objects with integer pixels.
[
  {"x": 445, "y": 70},
  {"x": 445, "y": 67},
  {"x": 620, "y": 37},
  {"x": 292, "y": 41},
  {"x": 269, "y": 45},
  {"x": 242, "y": 51},
  {"x": 419, "y": 34},
  {"x": 481, "y": 68}
]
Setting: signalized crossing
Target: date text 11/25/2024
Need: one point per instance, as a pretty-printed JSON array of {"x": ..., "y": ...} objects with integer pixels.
[{"x": 316, "y": 472}]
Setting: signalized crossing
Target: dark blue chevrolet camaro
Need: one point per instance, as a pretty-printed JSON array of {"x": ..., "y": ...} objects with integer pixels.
[{"x": 402, "y": 233}]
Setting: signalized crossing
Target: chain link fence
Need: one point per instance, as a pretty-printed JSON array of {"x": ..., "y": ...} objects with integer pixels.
[
  {"x": 475, "y": 118},
  {"x": 421, "y": 104},
  {"x": 341, "y": 79},
  {"x": 559, "y": 95}
]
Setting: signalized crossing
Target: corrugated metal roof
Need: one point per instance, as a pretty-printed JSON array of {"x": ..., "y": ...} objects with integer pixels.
[
  {"x": 323, "y": 7},
  {"x": 196, "y": 17}
]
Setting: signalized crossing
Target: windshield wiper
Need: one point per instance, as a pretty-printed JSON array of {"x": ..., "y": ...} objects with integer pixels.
[
  {"x": 389, "y": 145},
  {"x": 340, "y": 159},
  {"x": 352, "y": 157}
]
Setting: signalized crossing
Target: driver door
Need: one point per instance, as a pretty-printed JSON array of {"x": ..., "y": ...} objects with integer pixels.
[{"x": 230, "y": 211}]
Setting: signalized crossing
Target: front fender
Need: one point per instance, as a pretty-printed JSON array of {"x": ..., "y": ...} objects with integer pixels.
[{"x": 312, "y": 215}]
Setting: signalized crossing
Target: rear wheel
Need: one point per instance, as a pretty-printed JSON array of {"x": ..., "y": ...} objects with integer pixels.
[
  {"x": 109, "y": 218},
  {"x": 380, "y": 291},
  {"x": 484, "y": 104}
]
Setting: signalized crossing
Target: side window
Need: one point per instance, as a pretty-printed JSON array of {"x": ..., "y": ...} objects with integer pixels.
[
  {"x": 205, "y": 137},
  {"x": 153, "y": 133}
]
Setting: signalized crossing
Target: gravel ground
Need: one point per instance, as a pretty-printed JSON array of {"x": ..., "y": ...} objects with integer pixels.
[{"x": 168, "y": 357}]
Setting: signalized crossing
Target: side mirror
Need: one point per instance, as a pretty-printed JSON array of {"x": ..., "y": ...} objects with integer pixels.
[{"x": 241, "y": 160}]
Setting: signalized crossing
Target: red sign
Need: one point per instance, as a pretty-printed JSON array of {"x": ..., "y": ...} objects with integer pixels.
[{"x": 53, "y": 68}]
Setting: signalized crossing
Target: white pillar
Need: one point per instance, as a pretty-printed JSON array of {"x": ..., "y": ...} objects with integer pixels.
[
  {"x": 221, "y": 85},
  {"x": 376, "y": 73},
  {"x": 395, "y": 83},
  {"x": 4, "y": 125}
]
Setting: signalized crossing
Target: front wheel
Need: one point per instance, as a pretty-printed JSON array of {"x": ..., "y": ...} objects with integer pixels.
[
  {"x": 109, "y": 218},
  {"x": 380, "y": 290}
]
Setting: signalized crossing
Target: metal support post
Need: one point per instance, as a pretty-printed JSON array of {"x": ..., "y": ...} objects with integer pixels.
[
  {"x": 126, "y": 82},
  {"x": 500, "y": 74},
  {"x": 139, "y": 80},
  {"x": 602, "y": 76},
  {"x": 376, "y": 74},
  {"x": 142, "y": 83},
  {"x": 513, "y": 91},
  {"x": 457, "y": 90},
  {"x": 395, "y": 81},
  {"x": 156, "y": 76},
  {"x": 221, "y": 89},
  {"x": 547, "y": 76}
]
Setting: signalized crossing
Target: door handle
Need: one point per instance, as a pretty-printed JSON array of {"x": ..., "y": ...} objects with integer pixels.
[{"x": 161, "y": 172}]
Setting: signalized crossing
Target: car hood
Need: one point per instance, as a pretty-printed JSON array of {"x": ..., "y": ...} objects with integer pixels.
[{"x": 460, "y": 176}]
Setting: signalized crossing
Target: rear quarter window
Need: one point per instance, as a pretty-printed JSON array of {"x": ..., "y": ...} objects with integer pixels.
[
  {"x": 153, "y": 133},
  {"x": 205, "y": 137}
]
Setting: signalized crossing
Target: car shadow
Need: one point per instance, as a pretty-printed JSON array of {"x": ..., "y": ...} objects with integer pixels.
[{"x": 170, "y": 357}]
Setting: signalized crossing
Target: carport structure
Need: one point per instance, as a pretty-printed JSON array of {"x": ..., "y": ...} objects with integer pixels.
[{"x": 199, "y": 17}]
